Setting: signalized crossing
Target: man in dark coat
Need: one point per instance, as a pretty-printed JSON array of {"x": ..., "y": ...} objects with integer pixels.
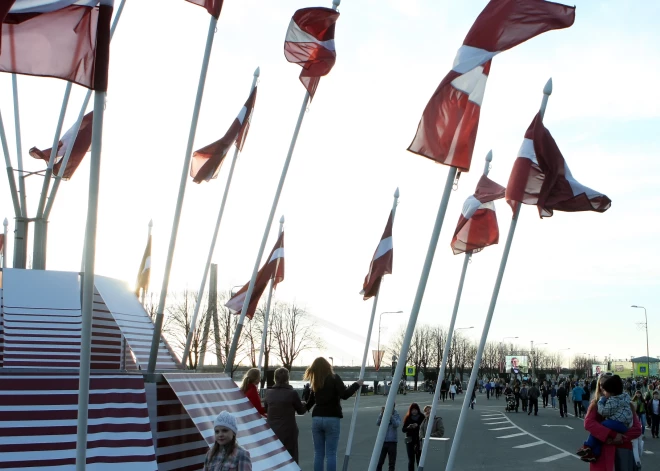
[{"x": 282, "y": 402}]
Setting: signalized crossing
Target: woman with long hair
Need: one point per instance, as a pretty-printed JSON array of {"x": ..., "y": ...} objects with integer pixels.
[
  {"x": 411, "y": 425},
  {"x": 249, "y": 388},
  {"x": 617, "y": 452},
  {"x": 226, "y": 453},
  {"x": 327, "y": 391}
]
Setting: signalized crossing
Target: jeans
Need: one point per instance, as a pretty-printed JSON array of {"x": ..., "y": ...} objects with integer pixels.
[
  {"x": 595, "y": 444},
  {"x": 325, "y": 433},
  {"x": 642, "y": 419},
  {"x": 389, "y": 450},
  {"x": 545, "y": 400},
  {"x": 524, "y": 404},
  {"x": 414, "y": 450},
  {"x": 655, "y": 424},
  {"x": 577, "y": 407},
  {"x": 552, "y": 401},
  {"x": 487, "y": 393},
  {"x": 533, "y": 405},
  {"x": 563, "y": 408}
]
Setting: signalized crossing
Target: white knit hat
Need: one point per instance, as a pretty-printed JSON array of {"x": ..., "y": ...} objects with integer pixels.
[{"x": 225, "y": 419}]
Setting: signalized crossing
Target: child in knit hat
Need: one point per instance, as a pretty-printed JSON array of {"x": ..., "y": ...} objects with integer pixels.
[
  {"x": 614, "y": 407},
  {"x": 226, "y": 453}
]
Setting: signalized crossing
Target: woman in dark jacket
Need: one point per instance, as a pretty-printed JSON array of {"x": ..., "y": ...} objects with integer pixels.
[
  {"x": 327, "y": 391},
  {"x": 282, "y": 403},
  {"x": 411, "y": 423}
]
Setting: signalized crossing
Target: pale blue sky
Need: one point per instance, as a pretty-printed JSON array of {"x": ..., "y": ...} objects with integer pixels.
[{"x": 570, "y": 279}]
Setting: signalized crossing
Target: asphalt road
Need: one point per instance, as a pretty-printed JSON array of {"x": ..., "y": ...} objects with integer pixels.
[{"x": 493, "y": 438}]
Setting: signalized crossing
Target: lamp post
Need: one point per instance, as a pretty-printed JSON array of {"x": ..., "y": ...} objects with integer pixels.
[
  {"x": 533, "y": 359},
  {"x": 646, "y": 326},
  {"x": 380, "y": 318},
  {"x": 333, "y": 361}
]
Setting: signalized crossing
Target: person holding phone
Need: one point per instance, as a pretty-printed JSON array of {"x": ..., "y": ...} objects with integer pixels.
[
  {"x": 391, "y": 440},
  {"x": 411, "y": 424}
]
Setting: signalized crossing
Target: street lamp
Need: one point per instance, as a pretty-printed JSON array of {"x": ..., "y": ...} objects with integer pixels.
[
  {"x": 533, "y": 360},
  {"x": 646, "y": 325},
  {"x": 380, "y": 318},
  {"x": 333, "y": 361}
]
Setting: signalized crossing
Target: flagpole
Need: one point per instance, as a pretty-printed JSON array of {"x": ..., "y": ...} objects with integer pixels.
[
  {"x": 87, "y": 282},
  {"x": 38, "y": 248},
  {"x": 414, "y": 312},
  {"x": 144, "y": 290},
  {"x": 356, "y": 406},
  {"x": 20, "y": 248},
  {"x": 445, "y": 354},
  {"x": 248, "y": 295},
  {"x": 264, "y": 334},
  {"x": 200, "y": 293},
  {"x": 12, "y": 180},
  {"x": 4, "y": 245},
  {"x": 547, "y": 91},
  {"x": 158, "y": 327}
]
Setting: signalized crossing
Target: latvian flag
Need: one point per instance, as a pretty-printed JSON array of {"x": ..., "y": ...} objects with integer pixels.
[
  {"x": 274, "y": 268},
  {"x": 81, "y": 142},
  {"x": 65, "y": 39},
  {"x": 310, "y": 42},
  {"x": 212, "y": 6},
  {"x": 206, "y": 161},
  {"x": 381, "y": 264},
  {"x": 448, "y": 128},
  {"x": 477, "y": 225},
  {"x": 541, "y": 176}
]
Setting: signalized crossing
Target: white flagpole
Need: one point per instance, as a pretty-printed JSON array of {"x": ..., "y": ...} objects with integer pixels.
[
  {"x": 4, "y": 245},
  {"x": 200, "y": 293},
  {"x": 89, "y": 258},
  {"x": 158, "y": 327},
  {"x": 10, "y": 173},
  {"x": 20, "y": 249},
  {"x": 38, "y": 248},
  {"x": 356, "y": 406},
  {"x": 445, "y": 353},
  {"x": 264, "y": 334},
  {"x": 414, "y": 312},
  {"x": 547, "y": 90},
  {"x": 144, "y": 290}
]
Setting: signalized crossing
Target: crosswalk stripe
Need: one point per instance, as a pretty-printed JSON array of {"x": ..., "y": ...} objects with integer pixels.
[
  {"x": 503, "y": 428},
  {"x": 527, "y": 445},
  {"x": 513, "y": 435},
  {"x": 497, "y": 423},
  {"x": 553, "y": 457}
]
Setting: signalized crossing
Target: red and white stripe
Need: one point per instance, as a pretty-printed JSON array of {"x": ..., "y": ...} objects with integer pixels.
[
  {"x": 204, "y": 396},
  {"x": 65, "y": 39},
  {"x": 272, "y": 269},
  {"x": 134, "y": 323},
  {"x": 448, "y": 129},
  {"x": 206, "y": 162},
  {"x": 381, "y": 263},
  {"x": 212, "y": 6},
  {"x": 38, "y": 423},
  {"x": 310, "y": 43},
  {"x": 106, "y": 338},
  {"x": 540, "y": 176},
  {"x": 477, "y": 225}
]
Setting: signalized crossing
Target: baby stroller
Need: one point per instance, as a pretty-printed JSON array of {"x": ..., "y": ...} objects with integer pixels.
[{"x": 510, "y": 402}]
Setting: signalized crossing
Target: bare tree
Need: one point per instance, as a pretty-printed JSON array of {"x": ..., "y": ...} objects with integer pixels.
[
  {"x": 294, "y": 333},
  {"x": 179, "y": 314},
  {"x": 439, "y": 337}
]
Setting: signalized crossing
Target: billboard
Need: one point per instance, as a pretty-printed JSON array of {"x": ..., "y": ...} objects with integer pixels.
[
  {"x": 622, "y": 368},
  {"x": 597, "y": 369},
  {"x": 516, "y": 364}
]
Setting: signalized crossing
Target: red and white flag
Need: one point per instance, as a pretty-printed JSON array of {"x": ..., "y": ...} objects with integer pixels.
[
  {"x": 448, "y": 128},
  {"x": 477, "y": 226},
  {"x": 212, "y": 6},
  {"x": 541, "y": 176},
  {"x": 206, "y": 161},
  {"x": 82, "y": 142},
  {"x": 66, "y": 39},
  {"x": 381, "y": 263},
  {"x": 274, "y": 268},
  {"x": 310, "y": 42}
]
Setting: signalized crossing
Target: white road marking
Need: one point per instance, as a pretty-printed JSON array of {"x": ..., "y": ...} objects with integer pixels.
[
  {"x": 513, "y": 435},
  {"x": 646, "y": 452},
  {"x": 567, "y": 426},
  {"x": 527, "y": 445},
  {"x": 503, "y": 428},
  {"x": 554, "y": 457},
  {"x": 497, "y": 423}
]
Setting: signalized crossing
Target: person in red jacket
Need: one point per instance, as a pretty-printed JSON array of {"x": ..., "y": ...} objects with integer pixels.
[{"x": 249, "y": 388}]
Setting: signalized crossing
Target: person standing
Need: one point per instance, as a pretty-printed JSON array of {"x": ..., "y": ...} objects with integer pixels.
[
  {"x": 391, "y": 440},
  {"x": 327, "y": 391},
  {"x": 561, "y": 397},
  {"x": 282, "y": 403},
  {"x": 487, "y": 389},
  {"x": 411, "y": 424},
  {"x": 533, "y": 395},
  {"x": 553, "y": 395},
  {"x": 585, "y": 398},
  {"x": 443, "y": 390},
  {"x": 516, "y": 393},
  {"x": 524, "y": 396},
  {"x": 249, "y": 388},
  {"x": 438, "y": 427},
  {"x": 577, "y": 394},
  {"x": 452, "y": 390},
  {"x": 654, "y": 409},
  {"x": 640, "y": 409},
  {"x": 545, "y": 392},
  {"x": 226, "y": 453}
]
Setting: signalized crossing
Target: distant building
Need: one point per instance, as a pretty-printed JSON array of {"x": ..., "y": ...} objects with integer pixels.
[{"x": 640, "y": 364}]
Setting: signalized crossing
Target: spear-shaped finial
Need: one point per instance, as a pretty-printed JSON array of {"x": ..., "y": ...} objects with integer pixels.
[
  {"x": 489, "y": 159},
  {"x": 396, "y": 192},
  {"x": 257, "y": 71},
  {"x": 547, "y": 91},
  {"x": 335, "y": 4}
]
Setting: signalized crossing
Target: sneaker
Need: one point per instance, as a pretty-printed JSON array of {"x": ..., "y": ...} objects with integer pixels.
[
  {"x": 583, "y": 451},
  {"x": 589, "y": 458}
]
